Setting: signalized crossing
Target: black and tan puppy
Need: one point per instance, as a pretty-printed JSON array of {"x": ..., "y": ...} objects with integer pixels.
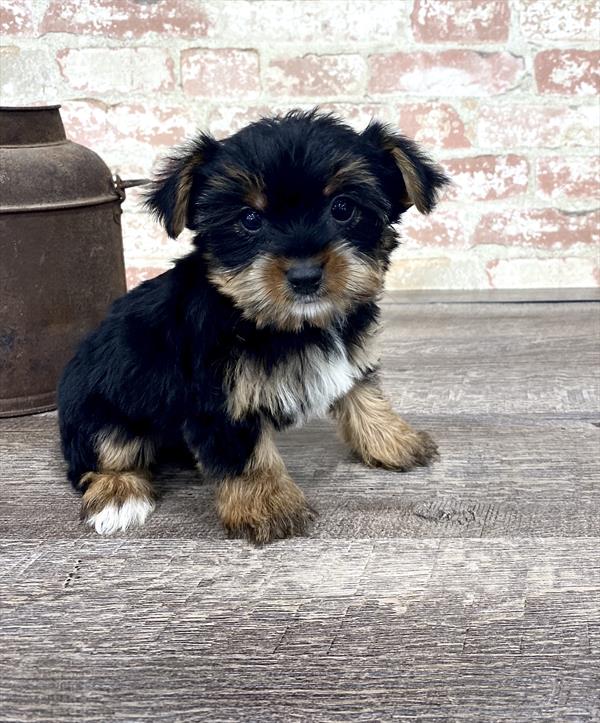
[{"x": 269, "y": 321}]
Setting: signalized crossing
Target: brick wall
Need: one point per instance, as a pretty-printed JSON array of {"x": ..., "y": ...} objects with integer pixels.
[{"x": 503, "y": 92}]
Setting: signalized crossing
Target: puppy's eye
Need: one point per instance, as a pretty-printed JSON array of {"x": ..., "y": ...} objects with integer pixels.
[
  {"x": 251, "y": 220},
  {"x": 342, "y": 209}
]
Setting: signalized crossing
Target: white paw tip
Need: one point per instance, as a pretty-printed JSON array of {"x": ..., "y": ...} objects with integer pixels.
[{"x": 118, "y": 518}]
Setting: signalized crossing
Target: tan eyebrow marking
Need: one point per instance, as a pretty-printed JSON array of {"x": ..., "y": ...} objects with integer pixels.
[
  {"x": 253, "y": 184},
  {"x": 355, "y": 171}
]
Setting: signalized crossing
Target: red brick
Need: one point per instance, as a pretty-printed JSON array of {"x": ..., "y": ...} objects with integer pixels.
[
  {"x": 358, "y": 115},
  {"x": 116, "y": 70},
  {"x": 570, "y": 72},
  {"x": 225, "y": 120},
  {"x": 158, "y": 125},
  {"x": 220, "y": 73},
  {"x": 86, "y": 122},
  {"x": 544, "y": 20},
  {"x": 546, "y": 228},
  {"x": 16, "y": 17},
  {"x": 487, "y": 178},
  {"x": 126, "y": 18},
  {"x": 435, "y": 125},
  {"x": 559, "y": 177},
  {"x": 29, "y": 75},
  {"x": 445, "y": 228},
  {"x": 532, "y": 126},
  {"x": 468, "y": 21},
  {"x": 309, "y": 21},
  {"x": 317, "y": 75},
  {"x": 447, "y": 72},
  {"x": 94, "y": 123}
]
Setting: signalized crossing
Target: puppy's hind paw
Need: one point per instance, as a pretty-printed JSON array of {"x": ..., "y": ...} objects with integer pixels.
[
  {"x": 116, "y": 501},
  {"x": 118, "y": 518}
]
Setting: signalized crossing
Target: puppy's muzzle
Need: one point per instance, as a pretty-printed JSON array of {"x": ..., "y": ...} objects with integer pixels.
[{"x": 305, "y": 277}]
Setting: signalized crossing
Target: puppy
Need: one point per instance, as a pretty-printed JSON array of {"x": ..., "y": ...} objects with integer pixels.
[{"x": 269, "y": 321}]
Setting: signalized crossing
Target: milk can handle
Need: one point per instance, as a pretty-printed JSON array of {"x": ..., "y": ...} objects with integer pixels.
[{"x": 121, "y": 185}]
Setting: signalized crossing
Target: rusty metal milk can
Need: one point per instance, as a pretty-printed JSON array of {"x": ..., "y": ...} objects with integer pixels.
[{"x": 61, "y": 253}]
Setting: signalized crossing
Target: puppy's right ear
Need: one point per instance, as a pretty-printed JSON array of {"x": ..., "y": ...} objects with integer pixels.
[
  {"x": 178, "y": 180},
  {"x": 413, "y": 179}
]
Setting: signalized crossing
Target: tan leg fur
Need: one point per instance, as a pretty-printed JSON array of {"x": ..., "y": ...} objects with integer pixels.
[
  {"x": 263, "y": 503},
  {"x": 120, "y": 495},
  {"x": 372, "y": 429}
]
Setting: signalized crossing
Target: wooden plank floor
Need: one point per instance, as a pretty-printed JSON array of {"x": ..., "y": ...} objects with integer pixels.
[{"x": 466, "y": 591}]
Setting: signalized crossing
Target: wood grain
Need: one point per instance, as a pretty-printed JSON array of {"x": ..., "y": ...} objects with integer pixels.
[
  {"x": 310, "y": 629},
  {"x": 465, "y": 591},
  {"x": 491, "y": 296}
]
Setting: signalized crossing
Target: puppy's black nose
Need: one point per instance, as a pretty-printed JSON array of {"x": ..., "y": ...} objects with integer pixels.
[{"x": 305, "y": 277}]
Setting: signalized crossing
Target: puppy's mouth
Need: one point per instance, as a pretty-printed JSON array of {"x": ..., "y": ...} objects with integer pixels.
[
  {"x": 287, "y": 293},
  {"x": 307, "y": 299}
]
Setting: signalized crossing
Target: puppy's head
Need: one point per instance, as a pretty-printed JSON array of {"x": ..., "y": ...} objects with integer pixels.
[{"x": 294, "y": 214}]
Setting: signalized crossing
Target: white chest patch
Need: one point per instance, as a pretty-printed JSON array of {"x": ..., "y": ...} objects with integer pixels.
[{"x": 303, "y": 386}]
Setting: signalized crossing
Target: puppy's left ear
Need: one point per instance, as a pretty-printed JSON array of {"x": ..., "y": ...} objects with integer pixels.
[
  {"x": 410, "y": 177},
  {"x": 178, "y": 181}
]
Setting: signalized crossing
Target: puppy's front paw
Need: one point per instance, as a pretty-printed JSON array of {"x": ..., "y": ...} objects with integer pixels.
[
  {"x": 398, "y": 447},
  {"x": 262, "y": 508},
  {"x": 377, "y": 435}
]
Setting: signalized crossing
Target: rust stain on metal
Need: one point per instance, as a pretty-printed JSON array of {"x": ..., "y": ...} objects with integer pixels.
[{"x": 58, "y": 201}]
